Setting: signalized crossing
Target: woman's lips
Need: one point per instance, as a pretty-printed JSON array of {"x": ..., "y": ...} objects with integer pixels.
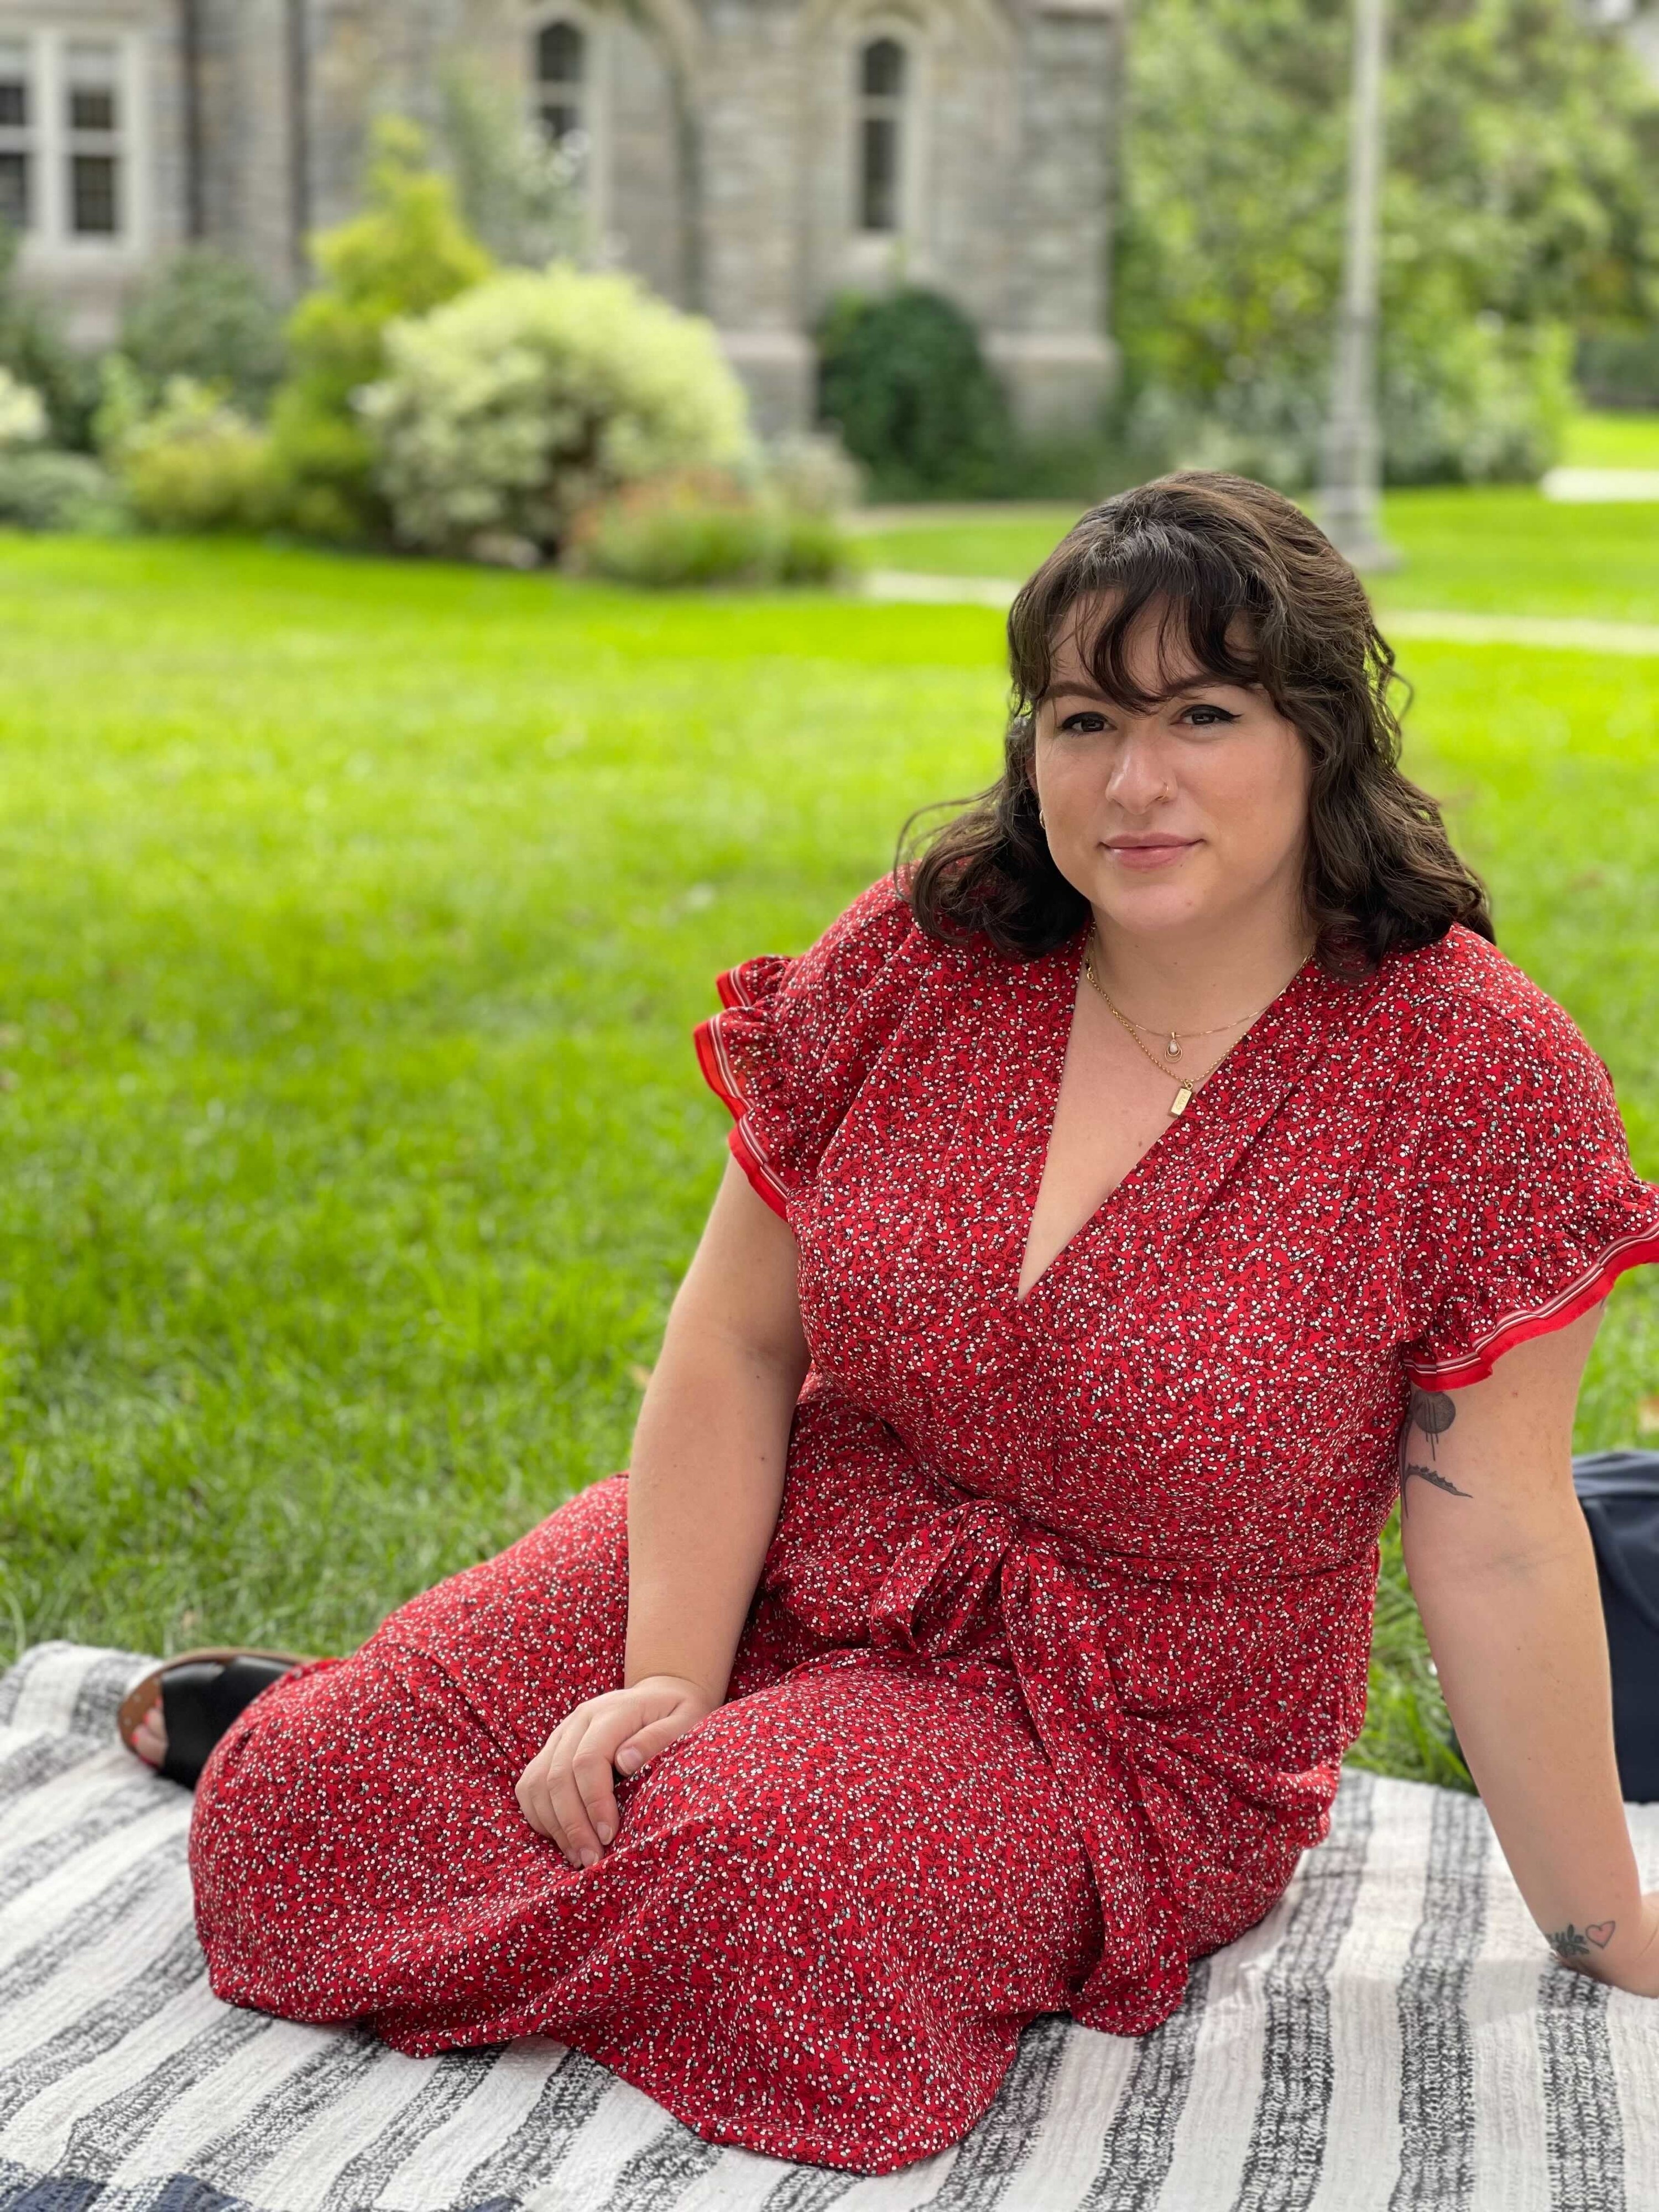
[{"x": 1150, "y": 856}]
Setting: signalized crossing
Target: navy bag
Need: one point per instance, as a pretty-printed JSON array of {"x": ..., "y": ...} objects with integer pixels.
[{"x": 1619, "y": 1493}]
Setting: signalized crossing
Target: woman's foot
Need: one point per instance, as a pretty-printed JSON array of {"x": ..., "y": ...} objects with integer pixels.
[
  {"x": 149, "y": 1738},
  {"x": 202, "y": 1692}
]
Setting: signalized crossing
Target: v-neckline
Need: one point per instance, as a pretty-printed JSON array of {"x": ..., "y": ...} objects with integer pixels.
[{"x": 1068, "y": 960}]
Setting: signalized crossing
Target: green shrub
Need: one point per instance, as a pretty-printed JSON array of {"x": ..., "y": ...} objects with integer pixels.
[
  {"x": 206, "y": 317},
  {"x": 407, "y": 252},
  {"x": 40, "y": 489},
  {"x": 195, "y": 463},
  {"x": 1619, "y": 367},
  {"x": 902, "y": 379},
  {"x": 33, "y": 348},
  {"x": 531, "y": 396},
  {"x": 703, "y": 527}
]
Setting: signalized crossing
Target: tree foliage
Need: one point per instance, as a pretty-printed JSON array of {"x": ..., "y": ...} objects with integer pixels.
[{"x": 1521, "y": 197}]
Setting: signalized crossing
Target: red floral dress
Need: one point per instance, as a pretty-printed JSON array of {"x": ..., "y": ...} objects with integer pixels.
[{"x": 1063, "y": 1630}]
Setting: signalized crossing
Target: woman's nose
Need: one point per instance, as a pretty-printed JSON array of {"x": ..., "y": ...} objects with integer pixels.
[{"x": 1138, "y": 778}]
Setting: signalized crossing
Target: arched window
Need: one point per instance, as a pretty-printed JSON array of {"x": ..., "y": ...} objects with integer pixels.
[
  {"x": 883, "y": 67},
  {"x": 560, "y": 59}
]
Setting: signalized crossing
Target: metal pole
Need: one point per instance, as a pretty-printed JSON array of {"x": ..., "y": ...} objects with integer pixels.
[{"x": 1350, "y": 480}]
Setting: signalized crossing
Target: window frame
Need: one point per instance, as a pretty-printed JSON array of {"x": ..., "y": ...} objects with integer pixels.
[
  {"x": 53, "y": 143},
  {"x": 907, "y": 111}
]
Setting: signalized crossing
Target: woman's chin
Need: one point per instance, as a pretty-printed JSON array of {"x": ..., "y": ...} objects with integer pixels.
[{"x": 1143, "y": 907}]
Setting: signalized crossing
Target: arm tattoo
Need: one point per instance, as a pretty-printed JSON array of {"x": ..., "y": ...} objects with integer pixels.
[
  {"x": 1571, "y": 1944},
  {"x": 1432, "y": 1412}
]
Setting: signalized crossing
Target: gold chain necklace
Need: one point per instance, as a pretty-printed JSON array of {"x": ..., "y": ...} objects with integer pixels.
[{"x": 1184, "y": 1097}]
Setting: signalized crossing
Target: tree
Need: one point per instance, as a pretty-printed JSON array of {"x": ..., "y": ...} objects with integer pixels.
[
  {"x": 1521, "y": 199},
  {"x": 407, "y": 251}
]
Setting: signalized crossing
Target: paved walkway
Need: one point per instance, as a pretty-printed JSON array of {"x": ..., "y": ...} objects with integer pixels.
[{"x": 1561, "y": 634}]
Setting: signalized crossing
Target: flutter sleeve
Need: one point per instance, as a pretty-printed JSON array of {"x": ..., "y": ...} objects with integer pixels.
[
  {"x": 796, "y": 1036},
  {"x": 1526, "y": 1207}
]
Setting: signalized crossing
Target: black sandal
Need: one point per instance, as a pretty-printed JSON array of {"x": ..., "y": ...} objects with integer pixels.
[{"x": 201, "y": 1693}]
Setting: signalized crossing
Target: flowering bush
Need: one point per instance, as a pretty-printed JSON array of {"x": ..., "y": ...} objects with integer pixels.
[
  {"x": 532, "y": 395},
  {"x": 22, "y": 413}
]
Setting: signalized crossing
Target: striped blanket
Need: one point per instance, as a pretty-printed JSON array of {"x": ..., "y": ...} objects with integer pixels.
[{"x": 1392, "y": 2037}]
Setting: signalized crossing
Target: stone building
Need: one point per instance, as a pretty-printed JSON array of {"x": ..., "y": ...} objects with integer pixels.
[{"x": 748, "y": 158}]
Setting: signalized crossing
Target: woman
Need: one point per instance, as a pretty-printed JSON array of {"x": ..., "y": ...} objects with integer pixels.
[{"x": 1126, "y": 1200}]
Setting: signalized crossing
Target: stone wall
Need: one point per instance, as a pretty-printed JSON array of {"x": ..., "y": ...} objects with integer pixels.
[{"x": 724, "y": 166}]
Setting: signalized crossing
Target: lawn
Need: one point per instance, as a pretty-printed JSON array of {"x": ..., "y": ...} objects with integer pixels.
[
  {"x": 1502, "y": 549},
  {"x": 358, "y": 914}
]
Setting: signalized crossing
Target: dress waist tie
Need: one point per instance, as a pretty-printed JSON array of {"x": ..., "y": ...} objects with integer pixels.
[{"x": 934, "y": 1600}]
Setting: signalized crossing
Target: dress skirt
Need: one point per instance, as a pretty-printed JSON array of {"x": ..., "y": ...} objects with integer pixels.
[{"x": 828, "y": 1912}]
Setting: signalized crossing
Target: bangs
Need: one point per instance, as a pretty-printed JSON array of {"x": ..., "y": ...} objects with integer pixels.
[{"x": 1204, "y": 615}]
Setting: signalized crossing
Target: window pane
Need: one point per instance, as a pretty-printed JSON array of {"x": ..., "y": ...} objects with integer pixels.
[
  {"x": 560, "y": 54},
  {"x": 884, "y": 69},
  {"x": 14, "y": 102},
  {"x": 92, "y": 107},
  {"x": 93, "y": 209},
  {"x": 878, "y": 174},
  {"x": 15, "y": 190}
]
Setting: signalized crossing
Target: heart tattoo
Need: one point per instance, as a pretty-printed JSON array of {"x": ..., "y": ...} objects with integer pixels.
[{"x": 1570, "y": 1943}]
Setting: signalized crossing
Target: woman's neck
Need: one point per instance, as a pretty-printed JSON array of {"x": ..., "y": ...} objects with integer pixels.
[{"x": 1190, "y": 979}]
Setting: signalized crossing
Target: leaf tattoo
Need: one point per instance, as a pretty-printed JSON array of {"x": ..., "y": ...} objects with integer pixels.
[
  {"x": 1433, "y": 1411},
  {"x": 1571, "y": 1944}
]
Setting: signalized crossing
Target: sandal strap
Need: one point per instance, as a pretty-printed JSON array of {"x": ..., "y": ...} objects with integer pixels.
[{"x": 199, "y": 1701}]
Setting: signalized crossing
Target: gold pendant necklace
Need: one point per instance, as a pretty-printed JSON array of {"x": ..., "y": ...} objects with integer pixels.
[{"x": 1183, "y": 1097}]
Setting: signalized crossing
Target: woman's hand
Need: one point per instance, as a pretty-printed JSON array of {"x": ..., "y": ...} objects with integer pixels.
[
  {"x": 1632, "y": 1965},
  {"x": 566, "y": 1790}
]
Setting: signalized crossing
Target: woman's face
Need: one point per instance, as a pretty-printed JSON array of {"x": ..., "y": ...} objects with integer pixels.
[{"x": 1194, "y": 812}]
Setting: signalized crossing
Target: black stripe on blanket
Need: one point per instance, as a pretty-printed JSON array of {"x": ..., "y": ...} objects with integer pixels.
[
  {"x": 113, "y": 1907},
  {"x": 232, "y": 2159},
  {"x": 124, "y": 1805},
  {"x": 103, "y": 2025},
  {"x": 1437, "y": 2054},
  {"x": 112, "y": 2132},
  {"x": 1584, "y": 2136},
  {"x": 1134, "y": 2159},
  {"x": 454, "y": 2077},
  {"x": 568, "y": 2100},
  {"x": 1287, "y": 2148}
]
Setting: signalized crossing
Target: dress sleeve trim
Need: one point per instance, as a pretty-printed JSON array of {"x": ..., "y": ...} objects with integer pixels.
[
  {"x": 1574, "y": 1298},
  {"x": 722, "y": 1079}
]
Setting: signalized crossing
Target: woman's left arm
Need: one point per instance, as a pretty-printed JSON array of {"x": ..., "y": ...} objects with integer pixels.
[{"x": 1503, "y": 1571}]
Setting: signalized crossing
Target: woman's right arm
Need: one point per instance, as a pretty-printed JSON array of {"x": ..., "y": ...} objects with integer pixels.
[{"x": 704, "y": 1488}]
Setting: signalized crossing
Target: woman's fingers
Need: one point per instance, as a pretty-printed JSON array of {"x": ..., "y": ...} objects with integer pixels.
[
  {"x": 580, "y": 1785},
  {"x": 568, "y": 1791}
]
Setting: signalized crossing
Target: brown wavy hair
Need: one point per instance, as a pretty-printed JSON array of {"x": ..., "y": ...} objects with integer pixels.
[{"x": 1257, "y": 594}]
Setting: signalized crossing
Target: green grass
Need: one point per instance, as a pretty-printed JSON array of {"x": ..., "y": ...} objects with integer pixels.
[
  {"x": 1506, "y": 549},
  {"x": 357, "y": 914},
  {"x": 1613, "y": 440}
]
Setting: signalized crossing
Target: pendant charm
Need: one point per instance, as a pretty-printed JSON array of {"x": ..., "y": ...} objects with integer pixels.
[
  {"x": 1173, "y": 1048},
  {"x": 1179, "y": 1104}
]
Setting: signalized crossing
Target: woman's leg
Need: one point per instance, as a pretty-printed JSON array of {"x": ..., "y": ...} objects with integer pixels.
[
  {"x": 377, "y": 1792},
  {"x": 828, "y": 1912}
]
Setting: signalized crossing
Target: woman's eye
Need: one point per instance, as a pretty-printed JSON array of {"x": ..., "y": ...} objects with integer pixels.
[
  {"x": 1204, "y": 717},
  {"x": 1086, "y": 722}
]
